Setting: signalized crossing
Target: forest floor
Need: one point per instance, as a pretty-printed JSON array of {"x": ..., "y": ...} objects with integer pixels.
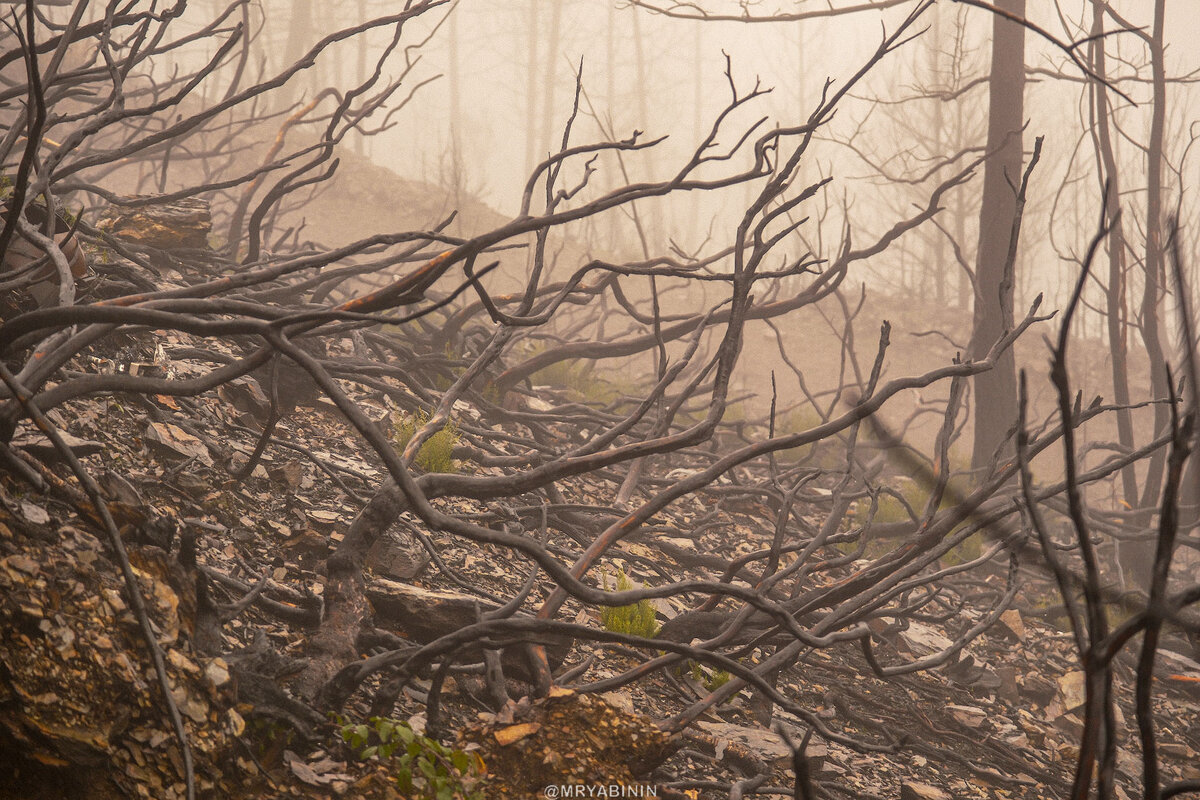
[
  {"x": 80, "y": 712},
  {"x": 82, "y": 715}
]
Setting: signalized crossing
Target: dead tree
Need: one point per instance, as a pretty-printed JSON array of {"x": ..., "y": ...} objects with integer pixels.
[{"x": 436, "y": 338}]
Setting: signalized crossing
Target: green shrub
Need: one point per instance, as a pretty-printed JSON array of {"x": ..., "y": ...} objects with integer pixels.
[
  {"x": 916, "y": 494},
  {"x": 269, "y": 737},
  {"x": 436, "y": 455},
  {"x": 710, "y": 679},
  {"x": 828, "y": 454},
  {"x": 735, "y": 412},
  {"x": 635, "y": 620},
  {"x": 579, "y": 376},
  {"x": 423, "y": 767},
  {"x": 968, "y": 549}
]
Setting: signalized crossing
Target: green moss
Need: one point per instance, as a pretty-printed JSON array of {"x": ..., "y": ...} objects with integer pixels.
[
  {"x": 892, "y": 509},
  {"x": 873, "y": 549},
  {"x": 444, "y": 380},
  {"x": 1121, "y": 612},
  {"x": 437, "y": 453},
  {"x": 269, "y": 737},
  {"x": 634, "y": 620},
  {"x": 491, "y": 393},
  {"x": 6, "y": 189},
  {"x": 734, "y": 413}
]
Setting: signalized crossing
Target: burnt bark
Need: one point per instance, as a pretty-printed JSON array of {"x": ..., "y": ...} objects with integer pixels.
[
  {"x": 996, "y": 390},
  {"x": 1141, "y": 555}
]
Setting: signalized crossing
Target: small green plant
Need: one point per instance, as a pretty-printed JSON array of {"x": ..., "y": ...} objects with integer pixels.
[
  {"x": 636, "y": 619},
  {"x": 894, "y": 507},
  {"x": 915, "y": 494},
  {"x": 968, "y": 549},
  {"x": 423, "y": 767},
  {"x": 711, "y": 680},
  {"x": 735, "y": 412},
  {"x": 269, "y": 737},
  {"x": 437, "y": 454},
  {"x": 827, "y": 454},
  {"x": 580, "y": 377}
]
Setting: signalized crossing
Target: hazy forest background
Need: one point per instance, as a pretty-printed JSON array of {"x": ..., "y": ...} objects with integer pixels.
[{"x": 472, "y": 374}]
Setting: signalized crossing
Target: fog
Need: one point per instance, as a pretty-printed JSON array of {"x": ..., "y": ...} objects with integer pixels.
[
  {"x": 440, "y": 367},
  {"x": 478, "y": 94},
  {"x": 501, "y": 81}
]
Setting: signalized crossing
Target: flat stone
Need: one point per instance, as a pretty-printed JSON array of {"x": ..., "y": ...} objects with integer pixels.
[
  {"x": 1069, "y": 724},
  {"x": 970, "y": 716},
  {"x": 1072, "y": 690},
  {"x": 34, "y": 513},
  {"x": 921, "y": 791},
  {"x": 217, "y": 672},
  {"x": 1009, "y": 691},
  {"x": 923, "y": 640},
  {"x": 178, "y": 225},
  {"x": 766, "y": 744},
  {"x": 38, "y": 446},
  {"x": 177, "y": 442},
  {"x": 23, "y": 563},
  {"x": 1037, "y": 688},
  {"x": 1011, "y": 621},
  {"x": 397, "y": 557},
  {"x": 621, "y": 699}
]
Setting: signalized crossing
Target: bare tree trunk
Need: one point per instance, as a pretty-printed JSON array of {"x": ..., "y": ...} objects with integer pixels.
[
  {"x": 1117, "y": 313},
  {"x": 549, "y": 69},
  {"x": 961, "y": 207},
  {"x": 695, "y": 227},
  {"x": 298, "y": 41},
  {"x": 1142, "y": 558},
  {"x": 456, "y": 168},
  {"x": 360, "y": 72},
  {"x": 996, "y": 390},
  {"x": 939, "y": 144},
  {"x": 960, "y": 235},
  {"x": 531, "y": 80}
]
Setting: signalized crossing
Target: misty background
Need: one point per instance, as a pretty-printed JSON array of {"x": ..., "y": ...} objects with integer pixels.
[
  {"x": 497, "y": 82},
  {"x": 419, "y": 333},
  {"x": 486, "y": 89}
]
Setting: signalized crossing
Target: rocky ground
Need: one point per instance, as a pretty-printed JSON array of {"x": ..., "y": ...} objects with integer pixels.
[
  {"x": 79, "y": 706},
  {"x": 231, "y": 566}
]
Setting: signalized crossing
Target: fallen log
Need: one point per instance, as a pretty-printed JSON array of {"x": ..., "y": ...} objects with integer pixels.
[{"x": 423, "y": 615}]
